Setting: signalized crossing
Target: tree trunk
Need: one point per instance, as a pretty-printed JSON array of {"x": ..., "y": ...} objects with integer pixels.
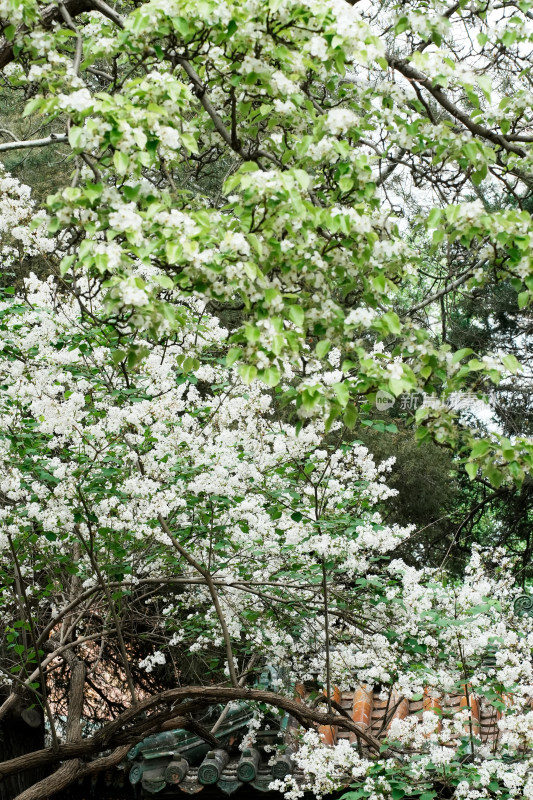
[{"x": 21, "y": 732}]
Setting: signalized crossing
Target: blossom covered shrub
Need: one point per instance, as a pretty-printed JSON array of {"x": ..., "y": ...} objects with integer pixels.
[
  {"x": 170, "y": 492},
  {"x": 114, "y": 451}
]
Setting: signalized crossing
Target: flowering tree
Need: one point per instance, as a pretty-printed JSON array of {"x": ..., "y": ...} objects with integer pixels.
[
  {"x": 168, "y": 504},
  {"x": 303, "y": 159},
  {"x": 312, "y": 167}
]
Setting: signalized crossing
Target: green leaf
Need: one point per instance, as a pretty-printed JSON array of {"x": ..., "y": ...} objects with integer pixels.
[
  {"x": 401, "y": 26},
  {"x": 480, "y": 448},
  {"x": 66, "y": 264},
  {"x": 350, "y": 416},
  {"x": 165, "y": 281},
  {"x": 248, "y": 166},
  {"x": 392, "y": 322},
  {"x": 297, "y": 315},
  {"x": 512, "y": 363},
  {"x": 396, "y": 386},
  {"x": 131, "y": 193},
  {"x": 322, "y": 348},
  {"x": 270, "y": 376},
  {"x": 302, "y": 177},
  {"x": 485, "y": 84},
  {"x": 93, "y": 191},
  {"x": 181, "y": 25},
  {"x": 233, "y": 355},
  {"x": 117, "y": 356},
  {"x": 248, "y": 373},
  {"x": 190, "y": 143},
  {"x": 121, "y": 162},
  {"x": 33, "y": 106},
  {"x": 460, "y": 354},
  {"x": 471, "y": 470},
  {"x": 346, "y": 183},
  {"x": 173, "y": 252},
  {"x": 188, "y": 363},
  {"x": 434, "y": 217},
  {"x": 342, "y": 393},
  {"x": 523, "y": 299},
  {"x": 494, "y": 475},
  {"x": 479, "y": 176},
  {"x": 75, "y": 135}
]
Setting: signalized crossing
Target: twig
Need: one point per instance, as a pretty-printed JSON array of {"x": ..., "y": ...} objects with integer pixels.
[{"x": 463, "y": 277}]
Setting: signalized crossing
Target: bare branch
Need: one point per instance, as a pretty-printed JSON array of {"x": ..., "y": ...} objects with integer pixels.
[
  {"x": 214, "y": 596},
  {"x": 6, "y": 132},
  {"x": 463, "y": 277},
  {"x": 54, "y": 138}
]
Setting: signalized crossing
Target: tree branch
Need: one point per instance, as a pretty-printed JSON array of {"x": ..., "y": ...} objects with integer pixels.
[
  {"x": 212, "y": 591},
  {"x": 177, "y": 701},
  {"x": 412, "y": 74},
  {"x": 200, "y": 91},
  {"x": 463, "y": 277},
  {"x": 54, "y": 138}
]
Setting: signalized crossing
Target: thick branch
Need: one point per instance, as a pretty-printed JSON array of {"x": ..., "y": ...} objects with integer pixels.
[
  {"x": 124, "y": 725},
  {"x": 71, "y": 771},
  {"x": 412, "y": 74},
  {"x": 63, "y": 777}
]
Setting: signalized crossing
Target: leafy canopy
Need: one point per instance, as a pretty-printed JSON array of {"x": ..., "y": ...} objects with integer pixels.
[{"x": 307, "y": 160}]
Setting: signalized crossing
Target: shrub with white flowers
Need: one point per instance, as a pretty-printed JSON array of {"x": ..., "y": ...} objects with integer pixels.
[{"x": 167, "y": 498}]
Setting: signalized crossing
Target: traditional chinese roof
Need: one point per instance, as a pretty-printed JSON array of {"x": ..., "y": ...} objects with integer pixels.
[{"x": 178, "y": 762}]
